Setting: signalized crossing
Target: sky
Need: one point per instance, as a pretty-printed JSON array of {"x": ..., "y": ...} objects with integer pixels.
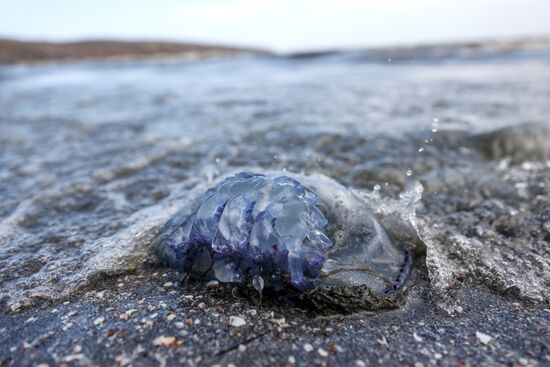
[{"x": 278, "y": 25}]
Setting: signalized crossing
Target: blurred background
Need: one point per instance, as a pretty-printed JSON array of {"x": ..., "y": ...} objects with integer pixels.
[{"x": 276, "y": 25}]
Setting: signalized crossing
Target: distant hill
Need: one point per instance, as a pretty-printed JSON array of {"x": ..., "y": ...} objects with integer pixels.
[
  {"x": 13, "y": 51},
  {"x": 436, "y": 51}
]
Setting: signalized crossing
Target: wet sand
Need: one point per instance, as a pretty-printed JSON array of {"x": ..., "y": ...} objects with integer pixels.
[{"x": 147, "y": 319}]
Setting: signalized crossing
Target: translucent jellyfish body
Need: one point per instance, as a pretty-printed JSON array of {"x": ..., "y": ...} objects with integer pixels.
[{"x": 314, "y": 235}]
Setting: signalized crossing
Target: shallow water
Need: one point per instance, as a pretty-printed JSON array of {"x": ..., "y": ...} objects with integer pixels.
[{"x": 96, "y": 156}]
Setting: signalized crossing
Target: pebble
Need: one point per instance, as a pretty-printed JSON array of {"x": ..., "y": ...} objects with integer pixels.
[
  {"x": 213, "y": 284},
  {"x": 483, "y": 338},
  {"x": 126, "y": 315},
  {"x": 279, "y": 322},
  {"x": 417, "y": 337},
  {"x": 291, "y": 360},
  {"x": 237, "y": 321},
  {"x": 308, "y": 347},
  {"x": 171, "y": 317},
  {"x": 165, "y": 341},
  {"x": 122, "y": 360},
  {"x": 322, "y": 352},
  {"x": 99, "y": 321},
  {"x": 73, "y": 357}
]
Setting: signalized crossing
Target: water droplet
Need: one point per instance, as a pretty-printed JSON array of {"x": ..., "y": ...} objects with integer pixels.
[
  {"x": 435, "y": 124},
  {"x": 376, "y": 187},
  {"x": 258, "y": 283},
  {"x": 275, "y": 156},
  {"x": 218, "y": 160},
  {"x": 421, "y": 149},
  {"x": 409, "y": 172},
  {"x": 386, "y": 184}
]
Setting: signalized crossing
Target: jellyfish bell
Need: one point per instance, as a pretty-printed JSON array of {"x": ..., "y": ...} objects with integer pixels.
[
  {"x": 308, "y": 232},
  {"x": 363, "y": 269}
]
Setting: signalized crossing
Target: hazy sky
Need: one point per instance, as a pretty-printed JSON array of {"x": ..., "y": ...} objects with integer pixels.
[{"x": 282, "y": 25}]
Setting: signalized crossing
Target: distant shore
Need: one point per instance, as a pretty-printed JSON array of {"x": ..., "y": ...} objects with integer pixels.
[
  {"x": 14, "y": 51},
  {"x": 437, "y": 50}
]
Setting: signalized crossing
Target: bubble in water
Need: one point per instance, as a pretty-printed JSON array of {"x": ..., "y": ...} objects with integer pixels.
[
  {"x": 435, "y": 119},
  {"x": 435, "y": 124},
  {"x": 421, "y": 149},
  {"x": 376, "y": 187},
  {"x": 217, "y": 160},
  {"x": 409, "y": 172}
]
